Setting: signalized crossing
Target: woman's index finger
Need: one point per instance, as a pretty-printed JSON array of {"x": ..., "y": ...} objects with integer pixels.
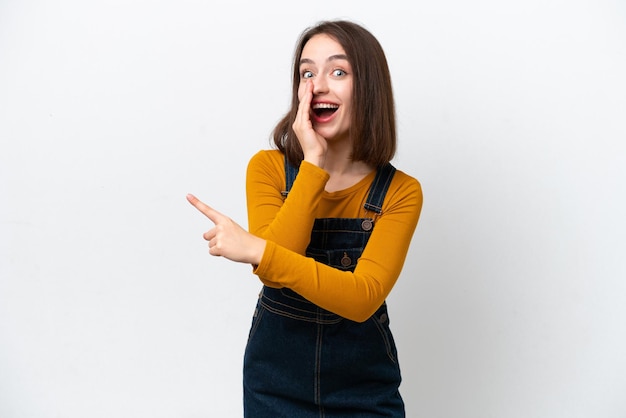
[{"x": 206, "y": 210}]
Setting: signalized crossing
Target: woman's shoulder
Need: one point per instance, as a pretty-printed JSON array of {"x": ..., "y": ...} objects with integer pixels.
[
  {"x": 401, "y": 178},
  {"x": 404, "y": 185},
  {"x": 267, "y": 163},
  {"x": 268, "y": 156}
]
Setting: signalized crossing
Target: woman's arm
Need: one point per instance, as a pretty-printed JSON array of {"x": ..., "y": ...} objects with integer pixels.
[
  {"x": 356, "y": 295},
  {"x": 280, "y": 233},
  {"x": 287, "y": 222}
]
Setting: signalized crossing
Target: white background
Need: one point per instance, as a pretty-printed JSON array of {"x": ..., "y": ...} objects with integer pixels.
[{"x": 512, "y": 303}]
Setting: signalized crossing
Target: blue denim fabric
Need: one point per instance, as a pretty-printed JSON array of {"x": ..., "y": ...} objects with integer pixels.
[{"x": 303, "y": 361}]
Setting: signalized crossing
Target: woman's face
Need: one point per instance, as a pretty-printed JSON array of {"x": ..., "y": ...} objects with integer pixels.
[{"x": 325, "y": 64}]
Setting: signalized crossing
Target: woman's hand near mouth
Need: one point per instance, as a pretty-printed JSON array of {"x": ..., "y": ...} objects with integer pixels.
[{"x": 314, "y": 146}]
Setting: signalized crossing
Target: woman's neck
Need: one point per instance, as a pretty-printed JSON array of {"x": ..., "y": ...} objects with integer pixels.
[{"x": 344, "y": 172}]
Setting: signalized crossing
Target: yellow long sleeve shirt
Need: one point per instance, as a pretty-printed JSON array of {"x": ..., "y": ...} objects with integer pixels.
[{"x": 286, "y": 226}]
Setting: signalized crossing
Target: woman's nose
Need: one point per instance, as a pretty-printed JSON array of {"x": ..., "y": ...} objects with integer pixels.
[{"x": 320, "y": 85}]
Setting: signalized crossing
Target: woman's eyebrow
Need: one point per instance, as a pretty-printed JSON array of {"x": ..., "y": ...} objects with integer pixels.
[
  {"x": 331, "y": 58},
  {"x": 338, "y": 57}
]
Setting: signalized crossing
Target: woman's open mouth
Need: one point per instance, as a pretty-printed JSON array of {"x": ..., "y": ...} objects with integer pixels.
[{"x": 324, "y": 111}]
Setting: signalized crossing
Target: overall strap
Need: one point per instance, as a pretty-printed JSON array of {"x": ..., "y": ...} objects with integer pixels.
[
  {"x": 290, "y": 175},
  {"x": 377, "y": 193},
  {"x": 379, "y": 188}
]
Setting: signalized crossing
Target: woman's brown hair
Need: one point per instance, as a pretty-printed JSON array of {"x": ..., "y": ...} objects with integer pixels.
[{"x": 373, "y": 120}]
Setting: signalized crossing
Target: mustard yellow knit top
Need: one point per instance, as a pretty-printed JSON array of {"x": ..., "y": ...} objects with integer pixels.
[{"x": 286, "y": 225}]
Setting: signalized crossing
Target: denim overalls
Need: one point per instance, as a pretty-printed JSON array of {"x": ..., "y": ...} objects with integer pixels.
[{"x": 303, "y": 361}]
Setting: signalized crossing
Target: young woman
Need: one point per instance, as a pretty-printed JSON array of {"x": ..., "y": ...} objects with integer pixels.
[{"x": 330, "y": 223}]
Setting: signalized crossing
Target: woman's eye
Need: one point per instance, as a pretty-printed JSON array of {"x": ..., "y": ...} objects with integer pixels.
[
  {"x": 307, "y": 74},
  {"x": 338, "y": 73}
]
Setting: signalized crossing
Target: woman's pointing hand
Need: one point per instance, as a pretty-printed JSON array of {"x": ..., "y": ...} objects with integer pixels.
[{"x": 228, "y": 239}]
